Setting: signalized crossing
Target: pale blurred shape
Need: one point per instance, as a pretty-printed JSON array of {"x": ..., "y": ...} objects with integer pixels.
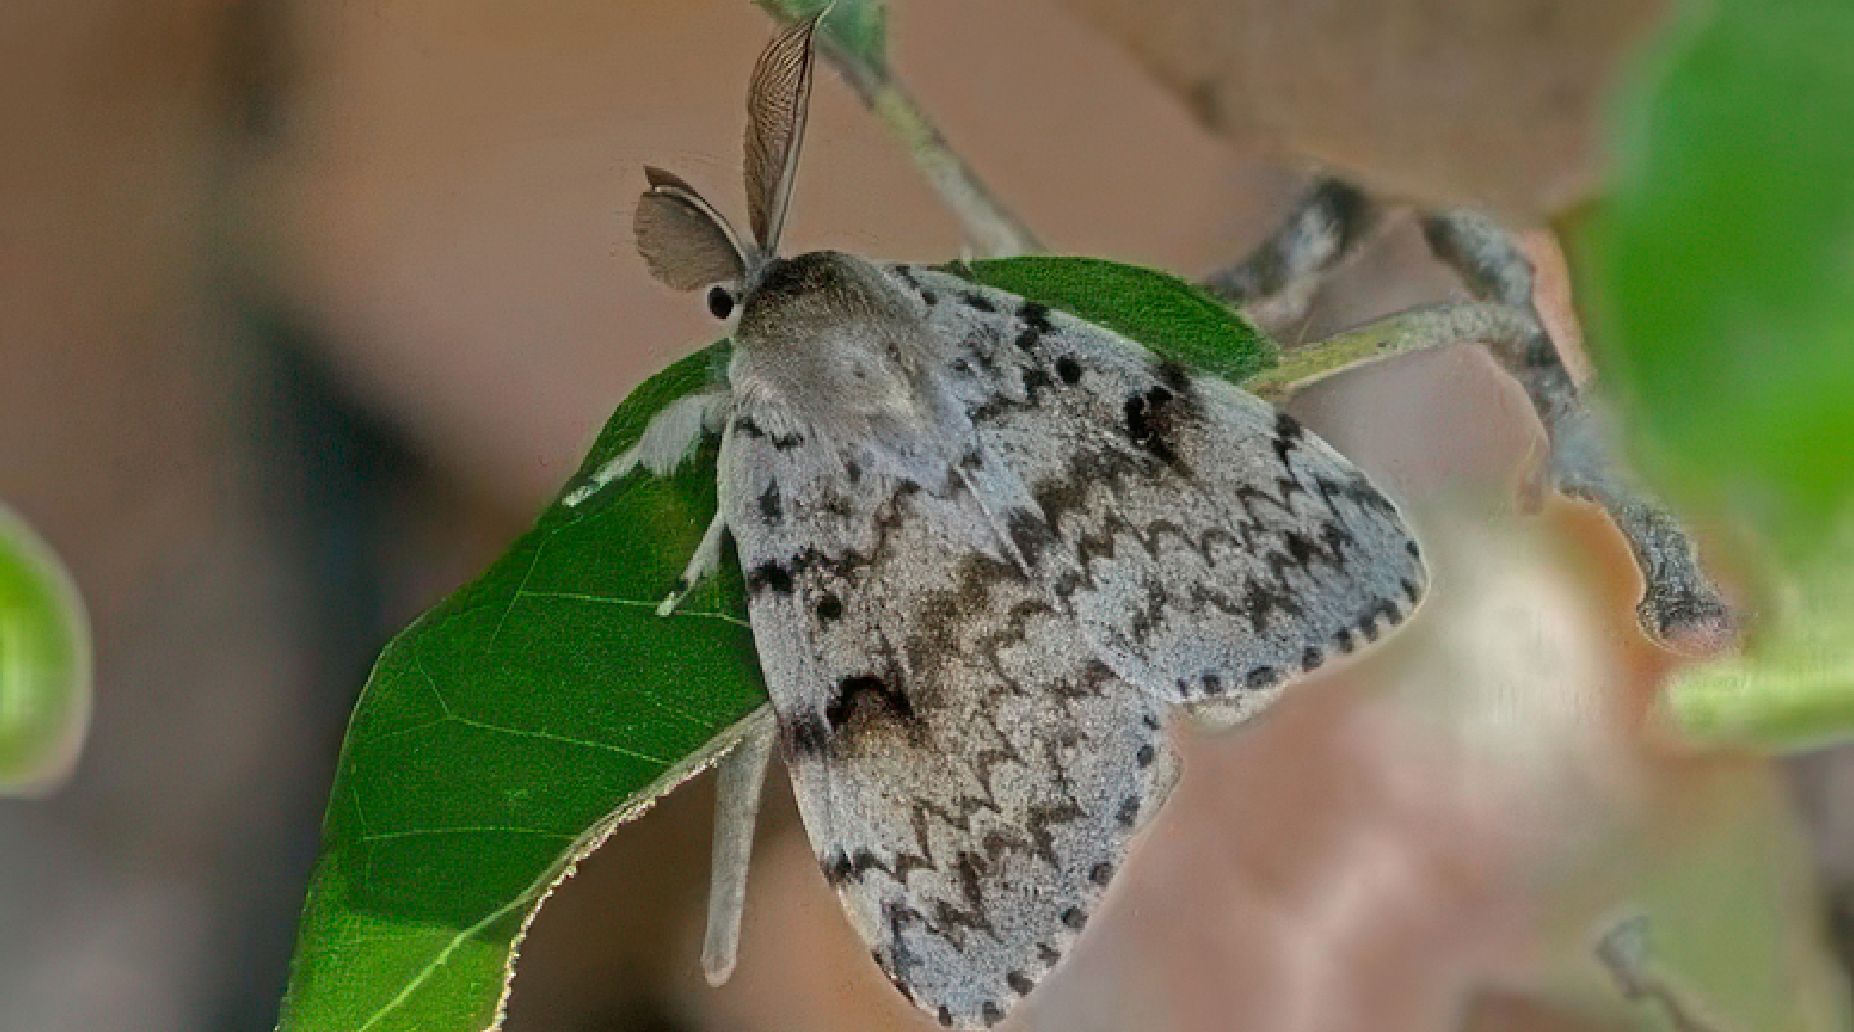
[{"x": 1448, "y": 102}]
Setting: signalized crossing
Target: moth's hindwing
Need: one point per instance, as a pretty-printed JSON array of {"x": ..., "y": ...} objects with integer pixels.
[{"x": 971, "y": 676}]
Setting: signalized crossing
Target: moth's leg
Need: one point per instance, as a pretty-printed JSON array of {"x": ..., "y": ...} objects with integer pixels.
[
  {"x": 738, "y": 780},
  {"x": 1680, "y": 606},
  {"x": 1276, "y": 281},
  {"x": 667, "y": 440},
  {"x": 707, "y": 557}
]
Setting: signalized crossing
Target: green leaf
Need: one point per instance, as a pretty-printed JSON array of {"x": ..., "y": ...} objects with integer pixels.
[
  {"x": 508, "y": 730},
  {"x": 1161, "y": 311},
  {"x": 504, "y": 734},
  {"x": 44, "y": 663},
  {"x": 857, "y": 28},
  {"x": 1794, "y": 686},
  {"x": 1723, "y": 262}
]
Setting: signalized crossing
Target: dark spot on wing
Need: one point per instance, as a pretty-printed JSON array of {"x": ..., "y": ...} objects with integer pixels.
[
  {"x": 1074, "y": 919},
  {"x": 1175, "y": 376},
  {"x": 867, "y": 695},
  {"x": 1129, "y": 811},
  {"x": 829, "y": 608},
  {"x": 1035, "y": 317},
  {"x": 1145, "y": 755},
  {"x": 1035, "y": 382},
  {"x": 806, "y": 735},
  {"x": 1310, "y": 658},
  {"x": 1151, "y": 420},
  {"x": 770, "y": 504},
  {"x": 783, "y": 442},
  {"x": 1288, "y": 433},
  {"x": 1262, "y": 677},
  {"x": 990, "y": 1014},
  {"x": 1030, "y": 533},
  {"x": 769, "y": 575},
  {"x": 1101, "y": 874},
  {"x": 978, "y": 302},
  {"x": 1068, "y": 369},
  {"x": 1019, "y": 982}
]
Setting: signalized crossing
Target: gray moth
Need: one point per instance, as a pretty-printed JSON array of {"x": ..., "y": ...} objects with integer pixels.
[{"x": 990, "y": 550}]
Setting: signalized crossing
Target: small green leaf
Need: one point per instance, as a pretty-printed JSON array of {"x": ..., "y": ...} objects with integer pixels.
[
  {"x": 1161, "y": 311},
  {"x": 857, "y": 28},
  {"x": 44, "y": 663},
  {"x": 1794, "y": 686},
  {"x": 503, "y": 735}
]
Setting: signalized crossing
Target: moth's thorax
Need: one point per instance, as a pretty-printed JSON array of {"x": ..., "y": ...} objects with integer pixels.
[{"x": 830, "y": 340}]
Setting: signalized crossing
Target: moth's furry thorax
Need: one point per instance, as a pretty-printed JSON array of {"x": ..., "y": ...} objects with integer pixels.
[{"x": 831, "y": 341}]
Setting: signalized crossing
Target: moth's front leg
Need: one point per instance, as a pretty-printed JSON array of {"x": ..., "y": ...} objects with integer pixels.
[
  {"x": 706, "y": 559},
  {"x": 668, "y": 439}
]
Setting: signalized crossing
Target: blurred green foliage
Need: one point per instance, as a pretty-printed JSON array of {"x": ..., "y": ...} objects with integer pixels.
[
  {"x": 44, "y": 663},
  {"x": 1721, "y": 267}
]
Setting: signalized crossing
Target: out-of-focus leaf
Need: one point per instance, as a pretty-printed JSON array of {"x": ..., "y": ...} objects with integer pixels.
[
  {"x": 1159, "y": 310},
  {"x": 1722, "y": 271},
  {"x": 859, "y": 28},
  {"x": 1723, "y": 263},
  {"x": 507, "y": 731},
  {"x": 1794, "y": 687},
  {"x": 44, "y": 663}
]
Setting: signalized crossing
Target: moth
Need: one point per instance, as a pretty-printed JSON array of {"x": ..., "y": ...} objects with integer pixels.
[{"x": 991, "y": 550}]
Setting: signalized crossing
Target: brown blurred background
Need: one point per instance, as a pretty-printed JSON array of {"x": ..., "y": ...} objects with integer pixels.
[{"x": 306, "y": 308}]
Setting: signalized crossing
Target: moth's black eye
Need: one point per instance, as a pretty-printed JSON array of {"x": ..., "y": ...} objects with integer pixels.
[{"x": 720, "y": 302}]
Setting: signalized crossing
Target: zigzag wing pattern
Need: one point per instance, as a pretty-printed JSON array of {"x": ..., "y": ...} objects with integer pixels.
[
  {"x": 1211, "y": 546},
  {"x": 969, "y": 775}
]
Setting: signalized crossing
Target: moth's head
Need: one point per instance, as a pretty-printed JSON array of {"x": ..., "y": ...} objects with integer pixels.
[
  {"x": 832, "y": 334},
  {"x": 686, "y": 242}
]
